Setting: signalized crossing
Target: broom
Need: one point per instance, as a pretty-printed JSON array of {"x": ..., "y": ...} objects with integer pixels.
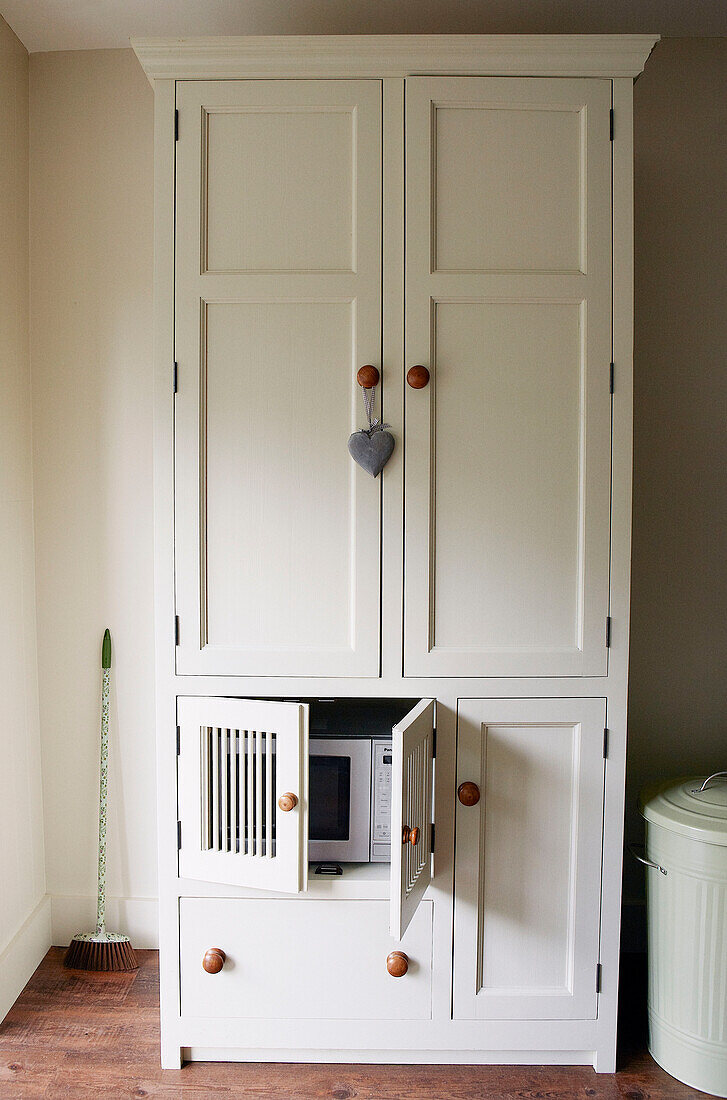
[{"x": 102, "y": 950}]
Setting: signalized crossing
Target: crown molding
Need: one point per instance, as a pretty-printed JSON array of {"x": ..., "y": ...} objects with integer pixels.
[{"x": 600, "y": 55}]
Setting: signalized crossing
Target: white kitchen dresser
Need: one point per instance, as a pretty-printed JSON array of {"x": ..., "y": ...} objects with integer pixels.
[{"x": 463, "y": 204}]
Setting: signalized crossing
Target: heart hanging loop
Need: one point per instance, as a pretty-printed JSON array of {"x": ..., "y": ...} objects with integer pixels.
[{"x": 371, "y": 447}]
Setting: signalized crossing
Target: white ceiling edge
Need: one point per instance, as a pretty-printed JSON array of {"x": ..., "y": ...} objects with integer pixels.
[
  {"x": 601, "y": 55},
  {"x": 50, "y": 25}
]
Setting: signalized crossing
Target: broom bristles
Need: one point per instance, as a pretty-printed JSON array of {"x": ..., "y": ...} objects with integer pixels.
[{"x": 93, "y": 955}]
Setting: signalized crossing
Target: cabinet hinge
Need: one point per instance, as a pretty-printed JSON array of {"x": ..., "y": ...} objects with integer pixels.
[
  {"x": 174, "y": 379},
  {"x": 431, "y": 849},
  {"x": 605, "y": 743},
  {"x": 434, "y": 743},
  {"x": 179, "y": 739},
  {"x": 176, "y": 124},
  {"x": 610, "y": 124},
  {"x": 608, "y": 632},
  {"x": 599, "y": 972},
  {"x": 610, "y": 378},
  {"x": 179, "y": 836},
  {"x": 176, "y": 629}
]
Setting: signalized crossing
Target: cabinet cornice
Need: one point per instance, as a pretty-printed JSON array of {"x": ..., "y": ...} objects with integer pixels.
[{"x": 599, "y": 55}]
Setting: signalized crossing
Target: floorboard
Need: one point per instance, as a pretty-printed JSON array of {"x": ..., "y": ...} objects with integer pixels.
[{"x": 77, "y": 1036}]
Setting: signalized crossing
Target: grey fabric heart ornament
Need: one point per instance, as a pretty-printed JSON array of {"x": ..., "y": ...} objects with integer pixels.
[{"x": 371, "y": 449}]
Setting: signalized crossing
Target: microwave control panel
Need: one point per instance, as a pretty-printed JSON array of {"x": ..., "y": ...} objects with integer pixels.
[{"x": 380, "y": 801}]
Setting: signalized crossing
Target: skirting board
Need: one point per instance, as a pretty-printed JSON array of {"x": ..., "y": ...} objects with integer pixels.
[
  {"x": 137, "y": 918},
  {"x": 23, "y": 954}
]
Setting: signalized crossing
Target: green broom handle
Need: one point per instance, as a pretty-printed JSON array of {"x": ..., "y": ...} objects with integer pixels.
[{"x": 105, "y": 691}]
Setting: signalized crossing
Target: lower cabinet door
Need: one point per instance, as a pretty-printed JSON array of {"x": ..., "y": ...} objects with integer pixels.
[
  {"x": 298, "y": 959},
  {"x": 528, "y": 859}
]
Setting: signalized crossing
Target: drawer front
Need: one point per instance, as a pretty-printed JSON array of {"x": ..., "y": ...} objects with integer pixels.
[{"x": 302, "y": 959}]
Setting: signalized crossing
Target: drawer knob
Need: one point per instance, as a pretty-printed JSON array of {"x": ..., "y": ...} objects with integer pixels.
[
  {"x": 368, "y": 377},
  {"x": 287, "y": 802},
  {"x": 468, "y": 793},
  {"x": 213, "y": 960},
  {"x": 409, "y": 836},
  {"x": 397, "y": 963},
  {"x": 417, "y": 377}
]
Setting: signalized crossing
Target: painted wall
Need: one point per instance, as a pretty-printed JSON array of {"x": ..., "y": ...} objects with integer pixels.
[
  {"x": 22, "y": 871},
  {"x": 91, "y": 249},
  {"x": 91, "y": 292},
  {"x": 678, "y": 696}
]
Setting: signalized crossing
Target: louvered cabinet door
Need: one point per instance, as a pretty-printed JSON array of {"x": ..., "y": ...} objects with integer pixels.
[
  {"x": 278, "y": 304},
  {"x": 239, "y": 763},
  {"x": 411, "y": 813},
  {"x": 508, "y": 306}
]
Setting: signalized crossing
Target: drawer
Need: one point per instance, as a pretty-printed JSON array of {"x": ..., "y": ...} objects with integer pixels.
[{"x": 302, "y": 959}]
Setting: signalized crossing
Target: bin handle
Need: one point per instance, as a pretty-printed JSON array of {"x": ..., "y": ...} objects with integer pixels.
[
  {"x": 714, "y": 775},
  {"x": 636, "y": 850}
]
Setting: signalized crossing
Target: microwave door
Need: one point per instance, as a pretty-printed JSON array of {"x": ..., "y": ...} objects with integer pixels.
[{"x": 339, "y": 800}]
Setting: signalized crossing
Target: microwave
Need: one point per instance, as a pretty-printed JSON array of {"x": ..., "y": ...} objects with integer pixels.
[{"x": 349, "y": 799}]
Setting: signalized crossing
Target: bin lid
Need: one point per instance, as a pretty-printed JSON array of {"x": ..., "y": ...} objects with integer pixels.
[{"x": 684, "y": 807}]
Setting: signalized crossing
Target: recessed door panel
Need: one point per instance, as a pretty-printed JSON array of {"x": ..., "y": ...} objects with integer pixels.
[
  {"x": 278, "y": 303},
  {"x": 529, "y": 858},
  {"x": 509, "y": 307}
]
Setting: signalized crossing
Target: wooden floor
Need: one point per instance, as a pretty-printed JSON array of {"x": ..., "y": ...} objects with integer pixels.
[{"x": 78, "y": 1036}]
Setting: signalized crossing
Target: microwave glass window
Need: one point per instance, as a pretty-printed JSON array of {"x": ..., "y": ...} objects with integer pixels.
[{"x": 330, "y": 797}]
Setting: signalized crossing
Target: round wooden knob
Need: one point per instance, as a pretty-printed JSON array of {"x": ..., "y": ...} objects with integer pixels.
[
  {"x": 409, "y": 836},
  {"x": 417, "y": 377},
  {"x": 397, "y": 963},
  {"x": 287, "y": 802},
  {"x": 468, "y": 793},
  {"x": 213, "y": 960},
  {"x": 368, "y": 376}
]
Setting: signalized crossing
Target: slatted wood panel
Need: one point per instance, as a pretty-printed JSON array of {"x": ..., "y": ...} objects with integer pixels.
[
  {"x": 411, "y": 807},
  {"x": 237, "y": 756},
  {"x": 237, "y": 777}
]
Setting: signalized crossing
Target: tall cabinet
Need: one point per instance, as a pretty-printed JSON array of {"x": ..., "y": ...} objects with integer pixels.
[{"x": 457, "y": 212}]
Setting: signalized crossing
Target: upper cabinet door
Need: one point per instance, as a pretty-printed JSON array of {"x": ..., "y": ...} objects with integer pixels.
[
  {"x": 240, "y": 761},
  {"x": 411, "y": 813},
  {"x": 508, "y": 282},
  {"x": 278, "y": 303}
]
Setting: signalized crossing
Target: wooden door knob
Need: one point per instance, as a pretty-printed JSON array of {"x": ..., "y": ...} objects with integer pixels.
[
  {"x": 287, "y": 802},
  {"x": 397, "y": 963},
  {"x": 409, "y": 836},
  {"x": 468, "y": 793},
  {"x": 368, "y": 376},
  {"x": 417, "y": 377},
  {"x": 213, "y": 960}
]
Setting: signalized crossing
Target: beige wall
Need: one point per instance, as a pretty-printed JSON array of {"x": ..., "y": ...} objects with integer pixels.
[
  {"x": 22, "y": 874},
  {"x": 91, "y": 248},
  {"x": 678, "y": 696},
  {"x": 91, "y": 293}
]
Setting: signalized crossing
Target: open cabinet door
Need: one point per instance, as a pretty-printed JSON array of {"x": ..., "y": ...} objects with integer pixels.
[
  {"x": 238, "y": 760},
  {"x": 411, "y": 813}
]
